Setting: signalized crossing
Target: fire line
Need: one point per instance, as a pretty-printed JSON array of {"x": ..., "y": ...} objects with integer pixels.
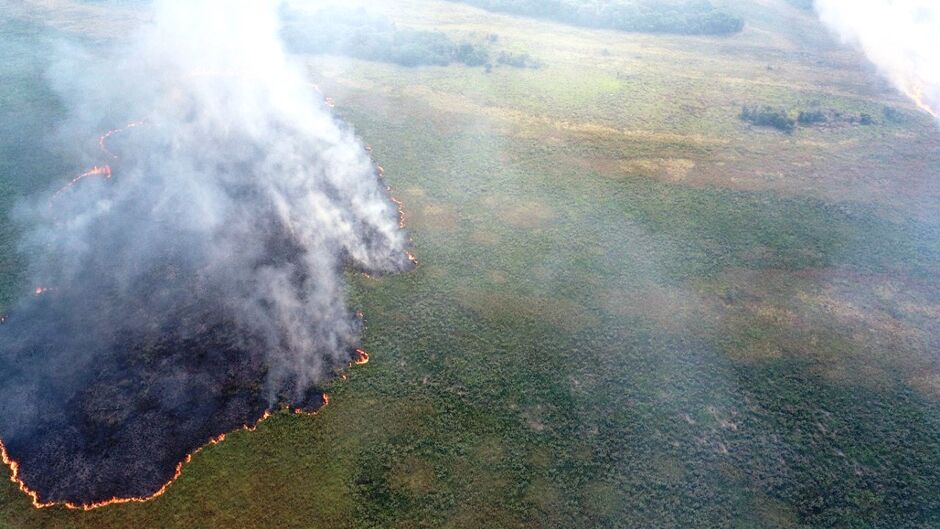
[
  {"x": 360, "y": 358},
  {"x": 39, "y": 504}
]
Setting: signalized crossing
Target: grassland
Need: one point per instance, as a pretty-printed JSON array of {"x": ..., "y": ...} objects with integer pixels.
[{"x": 633, "y": 309}]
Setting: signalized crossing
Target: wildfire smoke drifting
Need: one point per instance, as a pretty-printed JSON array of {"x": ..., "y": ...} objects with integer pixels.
[
  {"x": 899, "y": 36},
  {"x": 203, "y": 287}
]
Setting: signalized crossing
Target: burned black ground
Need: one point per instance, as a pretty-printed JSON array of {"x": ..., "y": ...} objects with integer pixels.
[{"x": 117, "y": 420}]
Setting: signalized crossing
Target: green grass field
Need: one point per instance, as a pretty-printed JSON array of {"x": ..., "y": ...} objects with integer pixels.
[{"x": 633, "y": 309}]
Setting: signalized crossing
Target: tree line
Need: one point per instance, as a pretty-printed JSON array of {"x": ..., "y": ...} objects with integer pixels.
[
  {"x": 787, "y": 120},
  {"x": 687, "y": 17},
  {"x": 361, "y": 35}
]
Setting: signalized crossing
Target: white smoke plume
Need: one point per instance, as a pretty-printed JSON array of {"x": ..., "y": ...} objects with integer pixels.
[
  {"x": 197, "y": 277},
  {"x": 902, "y": 38},
  {"x": 234, "y": 146}
]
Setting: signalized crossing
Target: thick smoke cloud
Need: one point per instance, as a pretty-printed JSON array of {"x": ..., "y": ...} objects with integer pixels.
[
  {"x": 900, "y": 36},
  {"x": 198, "y": 280}
]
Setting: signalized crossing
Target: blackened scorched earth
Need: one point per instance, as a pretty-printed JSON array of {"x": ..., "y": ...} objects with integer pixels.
[{"x": 103, "y": 393}]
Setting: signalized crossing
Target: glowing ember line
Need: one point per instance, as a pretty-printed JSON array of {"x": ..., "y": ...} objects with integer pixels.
[
  {"x": 15, "y": 476},
  {"x": 916, "y": 93},
  {"x": 401, "y": 211},
  {"x": 398, "y": 204},
  {"x": 103, "y": 140},
  {"x": 37, "y": 503},
  {"x": 105, "y": 171},
  {"x": 361, "y": 358},
  {"x": 301, "y": 411},
  {"x": 102, "y": 171}
]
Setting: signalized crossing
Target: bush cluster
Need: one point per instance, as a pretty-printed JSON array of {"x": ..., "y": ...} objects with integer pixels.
[
  {"x": 780, "y": 118},
  {"x": 767, "y": 116}
]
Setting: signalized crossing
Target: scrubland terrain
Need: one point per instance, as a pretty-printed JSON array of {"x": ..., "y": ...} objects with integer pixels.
[{"x": 633, "y": 308}]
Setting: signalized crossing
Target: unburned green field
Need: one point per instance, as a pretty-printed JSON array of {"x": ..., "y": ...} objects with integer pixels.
[{"x": 633, "y": 309}]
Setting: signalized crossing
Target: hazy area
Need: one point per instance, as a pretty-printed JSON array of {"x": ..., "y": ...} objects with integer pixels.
[{"x": 677, "y": 268}]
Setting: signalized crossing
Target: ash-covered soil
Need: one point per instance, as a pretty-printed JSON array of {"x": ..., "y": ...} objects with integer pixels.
[{"x": 102, "y": 398}]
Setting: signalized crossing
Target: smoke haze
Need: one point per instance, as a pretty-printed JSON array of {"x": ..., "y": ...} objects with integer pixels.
[
  {"x": 900, "y": 36},
  {"x": 196, "y": 278}
]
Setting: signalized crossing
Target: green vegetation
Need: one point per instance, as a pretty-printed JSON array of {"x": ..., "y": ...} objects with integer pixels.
[
  {"x": 517, "y": 60},
  {"x": 812, "y": 117},
  {"x": 631, "y": 311},
  {"x": 780, "y": 118},
  {"x": 356, "y": 33},
  {"x": 687, "y": 17},
  {"x": 802, "y": 4},
  {"x": 29, "y": 110},
  {"x": 767, "y": 116},
  {"x": 893, "y": 115},
  {"x": 819, "y": 116}
]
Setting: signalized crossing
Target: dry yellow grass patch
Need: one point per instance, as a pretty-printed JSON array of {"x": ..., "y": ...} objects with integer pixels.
[
  {"x": 526, "y": 215},
  {"x": 672, "y": 169},
  {"x": 432, "y": 217},
  {"x": 927, "y": 384},
  {"x": 562, "y": 313},
  {"x": 857, "y": 329},
  {"x": 775, "y": 514},
  {"x": 763, "y": 351},
  {"x": 413, "y": 476},
  {"x": 485, "y": 238},
  {"x": 668, "y": 307},
  {"x": 544, "y": 495}
]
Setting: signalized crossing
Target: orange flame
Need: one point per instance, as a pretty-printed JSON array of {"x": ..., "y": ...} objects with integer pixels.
[
  {"x": 103, "y": 171},
  {"x": 326, "y": 402},
  {"x": 103, "y": 140},
  {"x": 399, "y": 205},
  {"x": 401, "y": 210},
  {"x": 914, "y": 88},
  {"x": 917, "y": 95},
  {"x": 39, "y": 504},
  {"x": 361, "y": 359}
]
